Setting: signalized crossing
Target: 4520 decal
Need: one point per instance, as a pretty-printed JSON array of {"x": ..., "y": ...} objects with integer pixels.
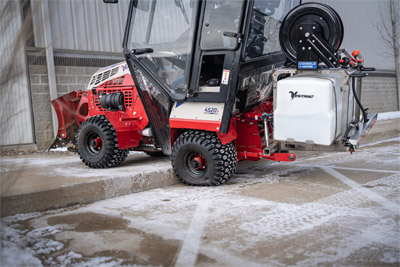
[{"x": 211, "y": 111}]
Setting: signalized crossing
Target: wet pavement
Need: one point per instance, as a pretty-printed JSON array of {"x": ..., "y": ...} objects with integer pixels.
[{"x": 332, "y": 208}]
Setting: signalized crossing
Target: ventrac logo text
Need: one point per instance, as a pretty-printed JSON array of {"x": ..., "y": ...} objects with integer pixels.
[
  {"x": 211, "y": 111},
  {"x": 295, "y": 95}
]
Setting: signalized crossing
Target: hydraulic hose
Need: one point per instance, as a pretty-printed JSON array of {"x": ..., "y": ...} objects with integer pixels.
[
  {"x": 353, "y": 85},
  {"x": 346, "y": 134}
]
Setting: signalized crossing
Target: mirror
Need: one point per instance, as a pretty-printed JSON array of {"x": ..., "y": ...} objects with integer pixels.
[{"x": 110, "y": 1}]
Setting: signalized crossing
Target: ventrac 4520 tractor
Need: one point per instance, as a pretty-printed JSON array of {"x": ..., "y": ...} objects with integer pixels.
[{"x": 214, "y": 82}]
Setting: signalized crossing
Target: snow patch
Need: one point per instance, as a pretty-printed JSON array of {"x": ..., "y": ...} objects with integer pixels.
[
  {"x": 60, "y": 149},
  {"x": 44, "y": 161},
  {"x": 389, "y": 115},
  {"x": 66, "y": 259},
  {"x": 136, "y": 153},
  {"x": 99, "y": 261},
  {"x": 122, "y": 171},
  {"x": 22, "y": 247},
  {"x": 47, "y": 246},
  {"x": 14, "y": 250},
  {"x": 21, "y": 217}
]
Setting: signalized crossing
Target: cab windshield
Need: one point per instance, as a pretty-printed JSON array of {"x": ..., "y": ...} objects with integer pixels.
[{"x": 161, "y": 37}]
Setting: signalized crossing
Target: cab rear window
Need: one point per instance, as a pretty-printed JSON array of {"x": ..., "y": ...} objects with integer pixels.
[{"x": 266, "y": 18}]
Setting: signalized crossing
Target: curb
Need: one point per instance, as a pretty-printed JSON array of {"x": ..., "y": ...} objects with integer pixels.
[{"x": 85, "y": 193}]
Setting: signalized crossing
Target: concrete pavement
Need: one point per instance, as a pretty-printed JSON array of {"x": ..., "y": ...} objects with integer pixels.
[
  {"x": 41, "y": 182},
  {"x": 34, "y": 183},
  {"x": 337, "y": 209}
]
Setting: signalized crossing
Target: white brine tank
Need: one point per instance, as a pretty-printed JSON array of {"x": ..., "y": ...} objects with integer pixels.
[{"x": 308, "y": 109}]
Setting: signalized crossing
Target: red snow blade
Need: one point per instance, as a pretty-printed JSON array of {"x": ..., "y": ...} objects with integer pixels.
[{"x": 71, "y": 110}]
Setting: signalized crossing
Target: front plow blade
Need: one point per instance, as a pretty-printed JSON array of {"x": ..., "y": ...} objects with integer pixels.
[{"x": 71, "y": 110}]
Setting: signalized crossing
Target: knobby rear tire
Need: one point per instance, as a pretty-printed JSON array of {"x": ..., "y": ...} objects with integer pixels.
[
  {"x": 219, "y": 160},
  {"x": 99, "y": 129}
]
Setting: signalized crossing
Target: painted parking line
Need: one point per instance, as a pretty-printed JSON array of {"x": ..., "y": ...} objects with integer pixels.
[
  {"x": 349, "y": 168},
  {"x": 365, "y": 170},
  {"x": 191, "y": 245},
  {"x": 393, "y": 207}
]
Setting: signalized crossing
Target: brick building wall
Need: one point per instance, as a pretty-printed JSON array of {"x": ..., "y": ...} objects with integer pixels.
[
  {"x": 379, "y": 94},
  {"x": 41, "y": 105}
]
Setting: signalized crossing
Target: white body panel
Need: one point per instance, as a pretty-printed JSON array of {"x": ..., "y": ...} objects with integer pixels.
[
  {"x": 308, "y": 109},
  {"x": 197, "y": 111},
  {"x": 108, "y": 73}
]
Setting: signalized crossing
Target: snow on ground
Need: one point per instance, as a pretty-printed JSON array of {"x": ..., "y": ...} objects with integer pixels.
[
  {"x": 253, "y": 221},
  {"x": 389, "y": 115},
  {"x": 131, "y": 167},
  {"x": 331, "y": 229},
  {"x": 373, "y": 155},
  {"x": 72, "y": 166},
  {"x": 44, "y": 161},
  {"x": 15, "y": 250},
  {"x": 239, "y": 229}
]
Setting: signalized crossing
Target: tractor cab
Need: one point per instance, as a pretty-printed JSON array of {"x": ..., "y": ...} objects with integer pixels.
[{"x": 198, "y": 62}]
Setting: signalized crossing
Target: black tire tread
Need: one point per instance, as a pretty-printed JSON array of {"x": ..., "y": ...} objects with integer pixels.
[
  {"x": 224, "y": 156},
  {"x": 113, "y": 155}
]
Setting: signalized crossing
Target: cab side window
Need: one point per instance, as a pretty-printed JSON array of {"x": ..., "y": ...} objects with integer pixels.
[
  {"x": 266, "y": 18},
  {"x": 221, "y": 20}
]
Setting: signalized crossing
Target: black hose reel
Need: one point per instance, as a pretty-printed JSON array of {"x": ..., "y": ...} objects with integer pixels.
[{"x": 311, "y": 33}]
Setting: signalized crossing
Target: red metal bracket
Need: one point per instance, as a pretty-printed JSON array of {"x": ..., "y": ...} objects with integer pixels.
[{"x": 274, "y": 156}]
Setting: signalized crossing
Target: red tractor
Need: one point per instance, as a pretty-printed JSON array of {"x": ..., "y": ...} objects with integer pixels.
[{"x": 206, "y": 82}]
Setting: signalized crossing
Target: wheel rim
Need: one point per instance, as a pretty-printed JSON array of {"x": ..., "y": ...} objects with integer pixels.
[
  {"x": 195, "y": 164},
  {"x": 94, "y": 143}
]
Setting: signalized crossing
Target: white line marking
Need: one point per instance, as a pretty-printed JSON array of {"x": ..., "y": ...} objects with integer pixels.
[
  {"x": 364, "y": 191},
  {"x": 380, "y": 142},
  {"x": 350, "y": 169},
  {"x": 191, "y": 245},
  {"x": 227, "y": 257},
  {"x": 365, "y": 170}
]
